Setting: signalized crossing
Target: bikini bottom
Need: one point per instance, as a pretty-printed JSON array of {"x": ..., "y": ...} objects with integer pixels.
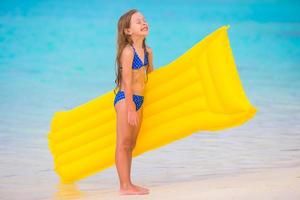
[{"x": 137, "y": 99}]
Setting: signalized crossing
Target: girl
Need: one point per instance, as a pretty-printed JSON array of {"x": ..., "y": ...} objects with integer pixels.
[{"x": 134, "y": 62}]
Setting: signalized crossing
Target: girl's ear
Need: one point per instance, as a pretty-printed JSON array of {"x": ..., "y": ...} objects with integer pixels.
[{"x": 127, "y": 31}]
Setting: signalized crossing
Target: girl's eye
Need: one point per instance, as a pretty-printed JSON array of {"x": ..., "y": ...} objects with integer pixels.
[{"x": 140, "y": 21}]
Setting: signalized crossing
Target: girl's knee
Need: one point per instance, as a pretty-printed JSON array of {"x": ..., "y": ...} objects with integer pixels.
[
  {"x": 125, "y": 144},
  {"x": 133, "y": 145}
]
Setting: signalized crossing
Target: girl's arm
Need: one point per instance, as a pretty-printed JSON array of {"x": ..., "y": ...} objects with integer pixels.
[
  {"x": 150, "y": 68},
  {"x": 126, "y": 63}
]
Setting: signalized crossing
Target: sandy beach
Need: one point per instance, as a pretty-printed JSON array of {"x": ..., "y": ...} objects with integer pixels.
[{"x": 273, "y": 184}]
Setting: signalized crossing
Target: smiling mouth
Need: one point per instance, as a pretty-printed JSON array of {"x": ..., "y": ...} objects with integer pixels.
[{"x": 145, "y": 29}]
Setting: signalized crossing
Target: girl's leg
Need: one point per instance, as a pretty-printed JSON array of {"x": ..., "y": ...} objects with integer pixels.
[
  {"x": 124, "y": 150},
  {"x": 136, "y": 130}
]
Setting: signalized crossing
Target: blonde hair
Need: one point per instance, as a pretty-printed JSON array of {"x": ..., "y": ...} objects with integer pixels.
[{"x": 122, "y": 40}]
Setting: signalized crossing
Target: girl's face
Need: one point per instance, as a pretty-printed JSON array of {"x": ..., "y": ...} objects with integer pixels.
[{"x": 138, "y": 25}]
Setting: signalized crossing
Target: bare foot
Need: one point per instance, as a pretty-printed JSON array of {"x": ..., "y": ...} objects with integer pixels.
[
  {"x": 140, "y": 187},
  {"x": 132, "y": 190}
]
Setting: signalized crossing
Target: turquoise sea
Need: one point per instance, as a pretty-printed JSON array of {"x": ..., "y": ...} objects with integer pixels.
[{"x": 56, "y": 55}]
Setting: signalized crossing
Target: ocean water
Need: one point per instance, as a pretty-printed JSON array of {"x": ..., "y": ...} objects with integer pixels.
[{"x": 56, "y": 55}]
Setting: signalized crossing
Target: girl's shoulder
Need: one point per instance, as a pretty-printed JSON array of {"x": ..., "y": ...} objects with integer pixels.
[{"x": 128, "y": 50}]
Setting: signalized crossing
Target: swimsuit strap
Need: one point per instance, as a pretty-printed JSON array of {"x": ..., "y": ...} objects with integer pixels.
[{"x": 135, "y": 50}]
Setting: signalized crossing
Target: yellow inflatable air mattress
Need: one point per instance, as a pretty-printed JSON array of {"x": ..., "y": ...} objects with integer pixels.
[{"x": 200, "y": 90}]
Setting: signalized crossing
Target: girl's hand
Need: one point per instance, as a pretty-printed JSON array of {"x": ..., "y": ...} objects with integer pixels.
[{"x": 133, "y": 117}]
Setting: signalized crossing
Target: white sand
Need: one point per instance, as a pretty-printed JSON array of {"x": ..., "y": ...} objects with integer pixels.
[{"x": 273, "y": 184}]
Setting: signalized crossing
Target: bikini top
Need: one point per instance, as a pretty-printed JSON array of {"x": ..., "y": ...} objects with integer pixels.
[{"x": 137, "y": 62}]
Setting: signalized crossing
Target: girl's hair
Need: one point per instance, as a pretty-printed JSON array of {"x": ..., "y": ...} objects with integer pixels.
[{"x": 122, "y": 40}]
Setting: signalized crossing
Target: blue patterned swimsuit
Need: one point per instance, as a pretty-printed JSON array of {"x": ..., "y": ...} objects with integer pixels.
[{"x": 136, "y": 64}]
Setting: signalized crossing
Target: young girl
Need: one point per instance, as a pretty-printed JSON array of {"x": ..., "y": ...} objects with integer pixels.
[{"x": 134, "y": 62}]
